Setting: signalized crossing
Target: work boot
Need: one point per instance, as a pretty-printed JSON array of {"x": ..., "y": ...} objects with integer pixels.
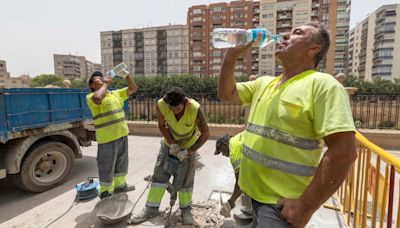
[
  {"x": 146, "y": 214},
  {"x": 187, "y": 217},
  {"x": 125, "y": 188},
  {"x": 104, "y": 194}
]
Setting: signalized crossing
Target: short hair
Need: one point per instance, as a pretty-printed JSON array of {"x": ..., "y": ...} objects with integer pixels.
[
  {"x": 175, "y": 96},
  {"x": 322, "y": 38}
]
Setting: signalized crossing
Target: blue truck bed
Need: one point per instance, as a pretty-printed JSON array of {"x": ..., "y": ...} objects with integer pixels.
[{"x": 30, "y": 108}]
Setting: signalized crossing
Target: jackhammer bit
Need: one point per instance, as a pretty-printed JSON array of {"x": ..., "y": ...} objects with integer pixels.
[
  {"x": 171, "y": 204},
  {"x": 172, "y": 201}
]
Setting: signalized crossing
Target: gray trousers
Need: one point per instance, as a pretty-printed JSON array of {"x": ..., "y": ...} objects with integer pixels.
[
  {"x": 161, "y": 176},
  {"x": 112, "y": 161},
  {"x": 268, "y": 215}
]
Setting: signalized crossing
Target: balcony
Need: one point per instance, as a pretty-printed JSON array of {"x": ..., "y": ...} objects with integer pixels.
[
  {"x": 283, "y": 16},
  {"x": 315, "y": 5},
  {"x": 198, "y": 37},
  {"x": 284, "y": 9},
  {"x": 284, "y": 25}
]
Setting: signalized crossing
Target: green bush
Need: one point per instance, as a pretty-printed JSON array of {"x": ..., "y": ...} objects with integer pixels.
[
  {"x": 387, "y": 124},
  {"x": 155, "y": 86},
  {"x": 376, "y": 86}
]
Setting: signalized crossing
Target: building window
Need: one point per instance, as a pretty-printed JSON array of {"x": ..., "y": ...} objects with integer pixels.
[
  {"x": 197, "y": 54},
  {"x": 218, "y": 9},
  {"x": 238, "y": 8},
  {"x": 216, "y": 53},
  {"x": 218, "y": 17},
  {"x": 197, "y": 11},
  {"x": 268, "y": 7},
  {"x": 216, "y": 60},
  {"x": 269, "y": 15},
  {"x": 241, "y": 14},
  {"x": 197, "y": 19}
]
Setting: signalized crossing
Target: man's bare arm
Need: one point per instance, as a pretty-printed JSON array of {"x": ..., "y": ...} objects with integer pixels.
[
  {"x": 227, "y": 84},
  {"x": 330, "y": 174},
  {"x": 132, "y": 87},
  {"x": 205, "y": 132},
  {"x": 164, "y": 131},
  {"x": 99, "y": 94},
  {"x": 236, "y": 191}
]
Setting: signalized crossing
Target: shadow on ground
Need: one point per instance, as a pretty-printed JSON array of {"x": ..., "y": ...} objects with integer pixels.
[{"x": 18, "y": 201}]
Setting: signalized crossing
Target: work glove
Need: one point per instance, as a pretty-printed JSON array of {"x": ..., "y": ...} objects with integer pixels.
[
  {"x": 182, "y": 154},
  {"x": 226, "y": 209},
  {"x": 174, "y": 149}
]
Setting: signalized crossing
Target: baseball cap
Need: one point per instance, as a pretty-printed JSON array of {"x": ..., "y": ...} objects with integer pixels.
[
  {"x": 223, "y": 140},
  {"x": 96, "y": 73}
]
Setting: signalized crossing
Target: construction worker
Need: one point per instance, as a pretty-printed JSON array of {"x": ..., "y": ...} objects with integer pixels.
[
  {"x": 182, "y": 123},
  {"x": 290, "y": 117},
  {"x": 232, "y": 147},
  {"x": 67, "y": 83},
  {"x": 107, "y": 109},
  {"x": 341, "y": 77}
]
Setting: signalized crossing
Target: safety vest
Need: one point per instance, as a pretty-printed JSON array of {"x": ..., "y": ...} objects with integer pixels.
[
  {"x": 282, "y": 145},
  {"x": 184, "y": 131},
  {"x": 235, "y": 150},
  {"x": 109, "y": 116}
]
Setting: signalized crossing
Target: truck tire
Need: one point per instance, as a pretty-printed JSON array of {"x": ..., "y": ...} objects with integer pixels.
[{"x": 45, "y": 166}]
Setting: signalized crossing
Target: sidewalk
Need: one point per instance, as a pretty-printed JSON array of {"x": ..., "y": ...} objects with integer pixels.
[{"x": 21, "y": 209}]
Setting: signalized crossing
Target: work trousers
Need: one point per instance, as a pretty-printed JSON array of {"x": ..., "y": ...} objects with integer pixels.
[
  {"x": 268, "y": 215},
  {"x": 161, "y": 178},
  {"x": 112, "y": 163}
]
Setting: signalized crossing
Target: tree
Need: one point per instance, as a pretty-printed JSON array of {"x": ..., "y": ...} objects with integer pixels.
[
  {"x": 47, "y": 79},
  {"x": 377, "y": 85},
  {"x": 79, "y": 83}
]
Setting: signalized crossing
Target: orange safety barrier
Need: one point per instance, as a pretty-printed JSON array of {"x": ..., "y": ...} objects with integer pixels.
[{"x": 369, "y": 197}]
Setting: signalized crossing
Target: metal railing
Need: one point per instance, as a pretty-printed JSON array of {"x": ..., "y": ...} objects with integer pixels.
[
  {"x": 369, "y": 197},
  {"x": 380, "y": 111},
  {"x": 377, "y": 111},
  {"x": 214, "y": 110}
]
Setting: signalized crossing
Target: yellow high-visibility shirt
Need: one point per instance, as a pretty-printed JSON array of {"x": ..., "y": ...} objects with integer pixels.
[
  {"x": 284, "y": 135},
  {"x": 109, "y": 116}
]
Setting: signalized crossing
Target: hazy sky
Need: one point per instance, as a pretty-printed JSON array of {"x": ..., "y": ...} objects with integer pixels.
[{"x": 32, "y": 31}]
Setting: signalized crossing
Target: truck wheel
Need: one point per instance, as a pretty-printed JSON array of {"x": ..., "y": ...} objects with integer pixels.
[{"x": 45, "y": 166}]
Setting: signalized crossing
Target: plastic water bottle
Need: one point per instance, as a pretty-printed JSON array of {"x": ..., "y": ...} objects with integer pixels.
[
  {"x": 233, "y": 37},
  {"x": 119, "y": 70}
]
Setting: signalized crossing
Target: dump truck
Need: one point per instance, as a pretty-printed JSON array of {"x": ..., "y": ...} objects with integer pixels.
[{"x": 42, "y": 131}]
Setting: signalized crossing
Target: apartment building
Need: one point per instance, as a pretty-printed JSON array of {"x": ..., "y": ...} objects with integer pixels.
[
  {"x": 204, "y": 60},
  {"x": 97, "y": 66},
  {"x": 152, "y": 51},
  {"x": 374, "y": 45},
  {"x": 73, "y": 67},
  {"x": 280, "y": 16},
  {"x": 23, "y": 81},
  {"x": 3, "y": 73}
]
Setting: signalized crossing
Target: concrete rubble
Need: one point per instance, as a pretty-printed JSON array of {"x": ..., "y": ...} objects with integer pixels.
[{"x": 206, "y": 214}]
